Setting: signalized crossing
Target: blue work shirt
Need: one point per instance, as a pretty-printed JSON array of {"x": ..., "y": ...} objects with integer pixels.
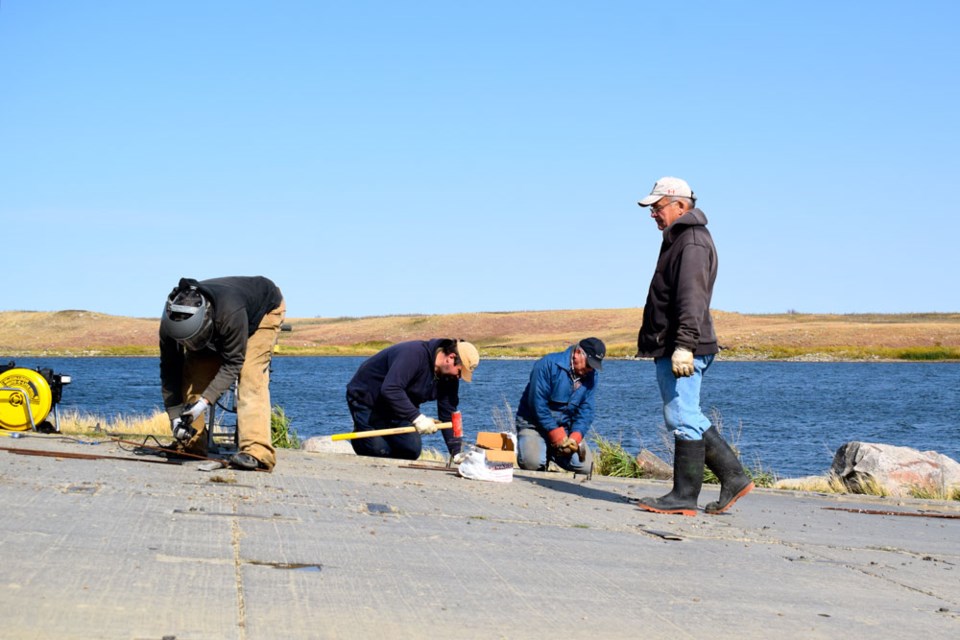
[{"x": 552, "y": 390}]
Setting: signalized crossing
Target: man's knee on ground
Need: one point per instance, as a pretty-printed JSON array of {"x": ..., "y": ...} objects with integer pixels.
[
  {"x": 528, "y": 464},
  {"x": 531, "y": 450}
]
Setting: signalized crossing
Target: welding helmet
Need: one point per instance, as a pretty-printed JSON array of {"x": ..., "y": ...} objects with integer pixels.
[{"x": 187, "y": 318}]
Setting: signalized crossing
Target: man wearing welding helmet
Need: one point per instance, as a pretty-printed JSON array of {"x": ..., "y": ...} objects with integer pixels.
[
  {"x": 389, "y": 387},
  {"x": 557, "y": 407},
  {"x": 212, "y": 333}
]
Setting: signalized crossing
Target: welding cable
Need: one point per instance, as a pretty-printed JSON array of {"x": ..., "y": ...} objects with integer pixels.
[
  {"x": 20, "y": 434},
  {"x": 138, "y": 448},
  {"x": 144, "y": 449},
  {"x": 79, "y": 441}
]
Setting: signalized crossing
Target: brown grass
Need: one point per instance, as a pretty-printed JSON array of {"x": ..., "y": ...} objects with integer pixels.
[
  {"x": 155, "y": 424},
  {"x": 516, "y": 333}
]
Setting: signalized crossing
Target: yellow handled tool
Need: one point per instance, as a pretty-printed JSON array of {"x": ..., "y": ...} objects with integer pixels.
[{"x": 456, "y": 424}]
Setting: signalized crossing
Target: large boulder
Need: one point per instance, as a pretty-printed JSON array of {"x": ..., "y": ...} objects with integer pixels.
[{"x": 899, "y": 471}]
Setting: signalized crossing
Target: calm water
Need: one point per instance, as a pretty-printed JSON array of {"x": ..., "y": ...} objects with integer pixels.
[{"x": 790, "y": 416}]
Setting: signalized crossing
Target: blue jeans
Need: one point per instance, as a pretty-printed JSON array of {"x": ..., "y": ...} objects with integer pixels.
[
  {"x": 532, "y": 452},
  {"x": 681, "y": 398}
]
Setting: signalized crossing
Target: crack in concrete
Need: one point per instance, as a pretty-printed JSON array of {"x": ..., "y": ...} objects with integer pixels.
[
  {"x": 812, "y": 550},
  {"x": 235, "y": 534}
]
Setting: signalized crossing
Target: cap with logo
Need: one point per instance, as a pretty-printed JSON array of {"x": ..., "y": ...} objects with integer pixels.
[
  {"x": 595, "y": 351},
  {"x": 670, "y": 188}
]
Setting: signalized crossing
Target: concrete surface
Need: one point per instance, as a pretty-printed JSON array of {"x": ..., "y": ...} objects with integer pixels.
[{"x": 333, "y": 546}]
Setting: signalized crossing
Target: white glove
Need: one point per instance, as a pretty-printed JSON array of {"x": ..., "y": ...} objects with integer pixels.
[
  {"x": 425, "y": 425},
  {"x": 194, "y": 410},
  {"x": 682, "y": 362},
  {"x": 181, "y": 431}
]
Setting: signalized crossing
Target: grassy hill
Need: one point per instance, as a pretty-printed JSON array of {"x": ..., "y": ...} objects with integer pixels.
[{"x": 514, "y": 333}]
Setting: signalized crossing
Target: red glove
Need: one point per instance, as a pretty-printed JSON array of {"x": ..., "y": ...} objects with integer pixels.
[{"x": 556, "y": 436}]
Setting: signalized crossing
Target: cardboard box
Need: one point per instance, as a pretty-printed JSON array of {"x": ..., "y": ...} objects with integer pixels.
[
  {"x": 498, "y": 447},
  {"x": 501, "y": 456}
]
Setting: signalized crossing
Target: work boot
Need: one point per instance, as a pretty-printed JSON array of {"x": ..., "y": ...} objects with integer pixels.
[
  {"x": 688, "y": 458},
  {"x": 245, "y": 462},
  {"x": 723, "y": 461}
]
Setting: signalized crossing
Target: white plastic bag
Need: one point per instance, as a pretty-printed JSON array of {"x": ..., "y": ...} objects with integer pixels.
[{"x": 476, "y": 467}]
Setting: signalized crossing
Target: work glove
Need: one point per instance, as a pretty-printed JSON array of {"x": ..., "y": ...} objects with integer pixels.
[
  {"x": 682, "y": 362},
  {"x": 181, "y": 430},
  {"x": 556, "y": 435},
  {"x": 425, "y": 426},
  {"x": 571, "y": 445},
  {"x": 193, "y": 411}
]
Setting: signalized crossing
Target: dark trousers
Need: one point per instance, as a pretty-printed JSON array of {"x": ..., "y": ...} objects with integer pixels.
[{"x": 404, "y": 446}]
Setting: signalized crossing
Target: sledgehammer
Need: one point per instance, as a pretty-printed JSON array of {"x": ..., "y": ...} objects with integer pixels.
[{"x": 456, "y": 423}]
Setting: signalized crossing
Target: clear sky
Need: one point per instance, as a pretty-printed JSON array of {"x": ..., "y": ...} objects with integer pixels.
[{"x": 435, "y": 157}]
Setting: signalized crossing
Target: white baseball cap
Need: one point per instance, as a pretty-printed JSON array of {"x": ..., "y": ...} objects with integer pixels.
[{"x": 670, "y": 187}]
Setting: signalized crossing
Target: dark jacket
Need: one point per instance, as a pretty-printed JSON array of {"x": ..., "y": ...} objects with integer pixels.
[
  {"x": 396, "y": 381},
  {"x": 552, "y": 389},
  {"x": 677, "y": 311},
  {"x": 239, "y": 304}
]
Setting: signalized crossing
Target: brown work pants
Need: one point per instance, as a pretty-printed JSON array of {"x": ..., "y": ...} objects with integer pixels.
[{"x": 253, "y": 389}]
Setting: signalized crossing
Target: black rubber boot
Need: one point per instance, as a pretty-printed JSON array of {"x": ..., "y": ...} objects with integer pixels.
[
  {"x": 723, "y": 461},
  {"x": 688, "y": 457}
]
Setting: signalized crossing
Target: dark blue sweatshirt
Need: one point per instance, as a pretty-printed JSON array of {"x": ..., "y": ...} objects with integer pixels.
[{"x": 396, "y": 381}]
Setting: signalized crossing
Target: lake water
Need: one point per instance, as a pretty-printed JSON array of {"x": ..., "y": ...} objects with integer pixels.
[{"x": 790, "y": 416}]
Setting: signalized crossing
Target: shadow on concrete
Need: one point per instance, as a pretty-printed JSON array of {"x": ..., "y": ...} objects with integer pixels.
[{"x": 575, "y": 487}]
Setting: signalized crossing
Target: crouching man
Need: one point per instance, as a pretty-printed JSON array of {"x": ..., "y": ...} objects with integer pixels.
[
  {"x": 390, "y": 386},
  {"x": 557, "y": 408},
  {"x": 212, "y": 333}
]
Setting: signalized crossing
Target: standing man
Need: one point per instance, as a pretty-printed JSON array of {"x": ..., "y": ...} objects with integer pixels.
[
  {"x": 678, "y": 333},
  {"x": 557, "y": 408},
  {"x": 212, "y": 333},
  {"x": 389, "y": 387}
]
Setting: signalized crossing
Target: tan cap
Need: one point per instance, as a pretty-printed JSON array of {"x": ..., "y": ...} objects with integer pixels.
[
  {"x": 469, "y": 359},
  {"x": 669, "y": 187}
]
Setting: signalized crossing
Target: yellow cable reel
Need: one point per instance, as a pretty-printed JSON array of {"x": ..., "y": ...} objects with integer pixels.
[{"x": 14, "y": 415}]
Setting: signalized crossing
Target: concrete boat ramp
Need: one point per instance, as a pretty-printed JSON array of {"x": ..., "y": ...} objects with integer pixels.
[{"x": 335, "y": 546}]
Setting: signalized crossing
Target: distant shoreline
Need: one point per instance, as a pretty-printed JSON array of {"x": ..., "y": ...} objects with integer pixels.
[{"x": 789, "y": 337}]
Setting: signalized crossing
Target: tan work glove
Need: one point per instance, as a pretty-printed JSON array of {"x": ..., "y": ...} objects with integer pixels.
[
  {"x": 682, "y": 362},
  {"x": 569, "y": 446},
  {"x": 425, "y": 426}
]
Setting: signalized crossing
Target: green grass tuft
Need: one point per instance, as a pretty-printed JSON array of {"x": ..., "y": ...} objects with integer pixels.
[
  {"x": 281, "y": 434},
  {"x": 611, "y": 459}
]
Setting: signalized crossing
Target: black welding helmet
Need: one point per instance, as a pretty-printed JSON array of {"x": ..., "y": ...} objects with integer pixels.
[{"x": 187, "y": 318}]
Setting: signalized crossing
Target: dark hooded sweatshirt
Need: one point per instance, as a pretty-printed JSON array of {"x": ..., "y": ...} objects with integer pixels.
[
  {"x": 397, "y": 380},
  {"x": 677, "y": 311},
  {"x": 239, "y": 304}
]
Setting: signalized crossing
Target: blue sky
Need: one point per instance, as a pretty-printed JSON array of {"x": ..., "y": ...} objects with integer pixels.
[{"x": 435, "y": 157}]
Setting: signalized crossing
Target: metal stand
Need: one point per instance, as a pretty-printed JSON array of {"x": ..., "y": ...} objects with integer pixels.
[{"x": 223, "y": 437}]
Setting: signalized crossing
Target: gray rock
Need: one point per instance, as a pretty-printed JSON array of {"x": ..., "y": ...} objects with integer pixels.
[
  {"x": 898, "y": 470},
  {"x": 653, "y": 467},
  {"x": 320, "y": 444}
]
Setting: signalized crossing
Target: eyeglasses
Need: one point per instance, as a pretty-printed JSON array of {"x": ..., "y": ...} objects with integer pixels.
[{"x": 655, "y": 210}]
